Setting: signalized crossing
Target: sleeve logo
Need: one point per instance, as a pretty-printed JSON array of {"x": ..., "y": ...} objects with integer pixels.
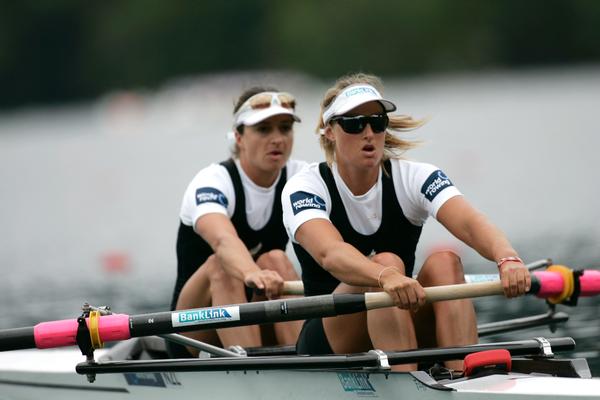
[
  {"x": 436, "y": 182},
  {"x": 210, "y": 195},
  {"x": 303, "y": 201}
]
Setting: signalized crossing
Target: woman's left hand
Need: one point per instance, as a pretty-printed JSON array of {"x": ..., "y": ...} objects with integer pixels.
[{"x": 515, "y": 278}]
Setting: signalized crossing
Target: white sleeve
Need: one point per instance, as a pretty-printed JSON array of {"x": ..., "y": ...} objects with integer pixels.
[
  {"x": 422, "y": 189},
  {"x": 295, "y": 166},
  {"x": 304, "y": 197},
  {"x": 211, "y": 191}
]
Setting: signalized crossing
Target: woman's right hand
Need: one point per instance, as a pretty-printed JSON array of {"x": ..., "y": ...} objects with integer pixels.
[
  {"x": 265, "y": 279},
  {"x": 407, "y": 293}
]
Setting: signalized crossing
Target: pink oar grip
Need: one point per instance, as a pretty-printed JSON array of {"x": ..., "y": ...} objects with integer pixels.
[
  {"x": 114, "y": 327},
  {"x": 551, "y": 283},
  {"x": 590, "y": 282},
  {"x": 63, "y": 333}
]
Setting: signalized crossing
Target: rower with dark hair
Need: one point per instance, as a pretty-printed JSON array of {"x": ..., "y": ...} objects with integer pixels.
[{"x": 231, "y": 236}]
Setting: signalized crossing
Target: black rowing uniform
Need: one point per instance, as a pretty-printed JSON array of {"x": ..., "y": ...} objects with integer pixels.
[
  {"x": 388, "y": 218},
  {"x": 255, "y": 212}
]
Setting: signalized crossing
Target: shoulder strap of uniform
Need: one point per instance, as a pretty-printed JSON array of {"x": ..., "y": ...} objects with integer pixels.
[
  {"x": 278, "y": 190},
  {"x": 229, "y": 165},
  {"x": 240, "y": 201},
  {"x": 282, "y": 179},
  {"x": 326, "y": 174},
  {"x": 337, "y": 206},
  {"x": 387, "y": 169},
  {"x": 389, "y": 191}
]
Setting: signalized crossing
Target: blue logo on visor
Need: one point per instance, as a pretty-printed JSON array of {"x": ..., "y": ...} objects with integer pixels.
[
  {"x": 304, "y": 201},
  {"x": 210, "y": 195},
  {"x": 436, "y": 182},
  {"x": 359, "y": 90}
]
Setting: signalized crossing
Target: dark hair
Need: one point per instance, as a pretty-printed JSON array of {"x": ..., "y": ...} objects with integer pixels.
[{"x": 246, "y": 94}]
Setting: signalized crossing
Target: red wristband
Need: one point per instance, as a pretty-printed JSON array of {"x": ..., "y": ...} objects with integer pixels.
[{"x": 507, "y": 259}]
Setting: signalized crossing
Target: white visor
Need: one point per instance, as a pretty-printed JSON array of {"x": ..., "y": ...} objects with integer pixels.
[
  {"x": 352, "y": 97},
  {"x": 249, "y": 115}
]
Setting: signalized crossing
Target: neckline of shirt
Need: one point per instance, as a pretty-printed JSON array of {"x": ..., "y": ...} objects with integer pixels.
[
  {"x": 361, "y": 197},
  {"x": 247, "y": 181}
]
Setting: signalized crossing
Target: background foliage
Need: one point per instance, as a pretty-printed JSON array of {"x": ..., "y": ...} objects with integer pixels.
[{"x": 65, "y": 50}]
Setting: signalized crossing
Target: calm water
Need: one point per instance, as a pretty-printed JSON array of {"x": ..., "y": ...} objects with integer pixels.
[{"x": 90, "y": 193}]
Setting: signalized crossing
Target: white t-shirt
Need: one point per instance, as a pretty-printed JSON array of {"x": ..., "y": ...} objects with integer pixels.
[
  {"x": 421, "y": 190},
  {"x": 211, "y": 191}
]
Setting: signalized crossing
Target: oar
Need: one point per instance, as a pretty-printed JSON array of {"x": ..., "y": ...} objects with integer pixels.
[
  {"x": 550, "y": 283},
  {"x": 296, "y": 288},
  {"x": 120, "y": 326},
  {"x": 293, "y": 288}
]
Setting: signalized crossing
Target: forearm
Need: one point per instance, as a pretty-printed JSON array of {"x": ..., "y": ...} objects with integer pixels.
[
  {"x": 350, "y": 266},
  {"x": 325, "y": 244},
  {"x": 487, "y": 239},
  {"x": 234, "y": 257}
]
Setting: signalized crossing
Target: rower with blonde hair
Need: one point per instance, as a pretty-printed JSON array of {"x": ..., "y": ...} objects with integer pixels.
[{"x": 355, "y": 222}]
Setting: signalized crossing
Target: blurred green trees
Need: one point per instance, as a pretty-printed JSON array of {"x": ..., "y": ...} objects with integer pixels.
[{"x": 64, "y": 50}]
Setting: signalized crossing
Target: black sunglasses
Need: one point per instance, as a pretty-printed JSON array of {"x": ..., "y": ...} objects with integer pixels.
[{"x": 357, "y": 124}]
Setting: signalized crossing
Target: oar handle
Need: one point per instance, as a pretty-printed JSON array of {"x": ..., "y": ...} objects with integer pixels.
[
  {"x": 296, "y": 288},
  {"x": 290, "y": 288},
  {"x": 545, "y": 284},
  {"x": 375, "y": 300},
  {"x": 293, "y": 288}
]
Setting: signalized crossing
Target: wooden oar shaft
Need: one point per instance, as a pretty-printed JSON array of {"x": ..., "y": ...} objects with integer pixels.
[
  {"x": 544, "y": 284},
  {"x": 293, "y": 288},
  {"x": 296, "y": 288},
  {"x": 375, "y": 300}
]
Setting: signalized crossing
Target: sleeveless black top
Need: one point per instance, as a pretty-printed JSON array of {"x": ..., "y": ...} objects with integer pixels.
[
  {"x": 395, "y": 234},
  {"x": 193, "y": 251}
]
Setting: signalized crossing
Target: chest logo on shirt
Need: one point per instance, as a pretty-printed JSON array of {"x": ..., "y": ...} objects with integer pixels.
[
  {"x": 304, "y": 201},
  {"x": 436, "y": 182},
  {"x": 210, "y": 195}
]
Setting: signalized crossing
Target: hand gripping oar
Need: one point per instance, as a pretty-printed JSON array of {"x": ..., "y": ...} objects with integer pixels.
[
  {"x": 557, "y": 284},
  {"x": 114, "y": 327},
  {"x": 120, "y": 326},
  {"x": 296, "y": 288}
]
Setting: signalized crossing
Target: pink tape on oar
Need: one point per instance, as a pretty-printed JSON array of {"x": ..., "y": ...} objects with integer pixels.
[
  {"x": 590, "y": 282},
  {"x": 63, "y": 333},
  {"x": 551, "y": 283},
  {"x": 55, "y": 333}
]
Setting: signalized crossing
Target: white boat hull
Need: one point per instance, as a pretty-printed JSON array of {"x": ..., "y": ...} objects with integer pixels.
[{"x": 50, "y": 375}]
